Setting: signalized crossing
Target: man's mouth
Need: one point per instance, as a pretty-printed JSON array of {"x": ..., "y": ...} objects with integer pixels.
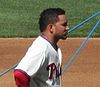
[{"x": 66, "y": 33}]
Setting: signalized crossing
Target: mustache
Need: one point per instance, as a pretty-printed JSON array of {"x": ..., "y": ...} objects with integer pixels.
[{"x": 66, "y": 32}]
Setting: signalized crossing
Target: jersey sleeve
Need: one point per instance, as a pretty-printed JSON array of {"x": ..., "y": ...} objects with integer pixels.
[
  {"x": 32, "y": 61},
  {"x": 21, "y": 78}
]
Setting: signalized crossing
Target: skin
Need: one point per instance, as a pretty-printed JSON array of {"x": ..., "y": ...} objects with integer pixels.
[{"x": 54, "y": 32}]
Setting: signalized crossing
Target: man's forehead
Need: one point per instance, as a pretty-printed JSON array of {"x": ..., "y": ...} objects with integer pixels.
[{"x": 62, "y": 18}]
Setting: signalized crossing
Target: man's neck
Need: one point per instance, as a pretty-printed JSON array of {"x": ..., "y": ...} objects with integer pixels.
[{"x": 50, "y": 39}]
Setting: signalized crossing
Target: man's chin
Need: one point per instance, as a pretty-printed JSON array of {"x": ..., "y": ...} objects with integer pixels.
[{"x": 64, "y": 37}]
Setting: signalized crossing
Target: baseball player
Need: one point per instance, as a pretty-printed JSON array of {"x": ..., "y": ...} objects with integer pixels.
[{"x": 41, "y": 65}]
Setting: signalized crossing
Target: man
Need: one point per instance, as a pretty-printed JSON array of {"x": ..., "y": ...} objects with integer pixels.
[{"x": 41, "y": 66}]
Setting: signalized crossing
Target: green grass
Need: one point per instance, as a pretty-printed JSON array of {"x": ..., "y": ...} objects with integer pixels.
[{"x": 19, "y": 18}]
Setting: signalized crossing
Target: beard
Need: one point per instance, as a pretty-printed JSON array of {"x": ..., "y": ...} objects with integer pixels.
[
  {"x": 64, "y": 35},
  {"x": 61, "y": 36}
]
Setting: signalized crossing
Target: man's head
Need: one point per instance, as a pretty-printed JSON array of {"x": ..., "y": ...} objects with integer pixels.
[
  {"x": 53, "y": 19},
  {"x": 49, "y": 16}
]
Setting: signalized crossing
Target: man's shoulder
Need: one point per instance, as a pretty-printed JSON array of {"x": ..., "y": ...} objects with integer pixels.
[{"x": 39, "y": 43}]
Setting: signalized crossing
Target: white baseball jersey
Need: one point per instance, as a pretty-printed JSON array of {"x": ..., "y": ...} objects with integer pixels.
[{"x": 43, "y": 64}]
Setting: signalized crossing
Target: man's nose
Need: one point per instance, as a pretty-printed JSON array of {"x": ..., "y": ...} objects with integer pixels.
[{"x": 67, "y": 28}]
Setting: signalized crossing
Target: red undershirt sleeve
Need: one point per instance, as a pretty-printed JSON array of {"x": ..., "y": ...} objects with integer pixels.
[{"x": 22, "y": 79}]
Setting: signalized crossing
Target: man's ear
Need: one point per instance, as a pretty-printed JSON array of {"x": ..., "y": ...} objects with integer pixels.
[{"x": 51, "y": 28}]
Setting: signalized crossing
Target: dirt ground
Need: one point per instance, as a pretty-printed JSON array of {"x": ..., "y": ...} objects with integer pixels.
[{"x": 83, "y": 72}]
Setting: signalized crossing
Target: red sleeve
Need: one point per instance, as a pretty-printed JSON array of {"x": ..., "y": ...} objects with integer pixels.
[{"x": 22, "y": 79}]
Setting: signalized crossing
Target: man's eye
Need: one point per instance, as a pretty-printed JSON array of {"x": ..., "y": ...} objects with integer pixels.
[{"x": 65, "y": 24}]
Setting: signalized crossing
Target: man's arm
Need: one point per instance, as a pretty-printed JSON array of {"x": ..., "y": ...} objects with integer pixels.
[{"x": 22, "y": 79}]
